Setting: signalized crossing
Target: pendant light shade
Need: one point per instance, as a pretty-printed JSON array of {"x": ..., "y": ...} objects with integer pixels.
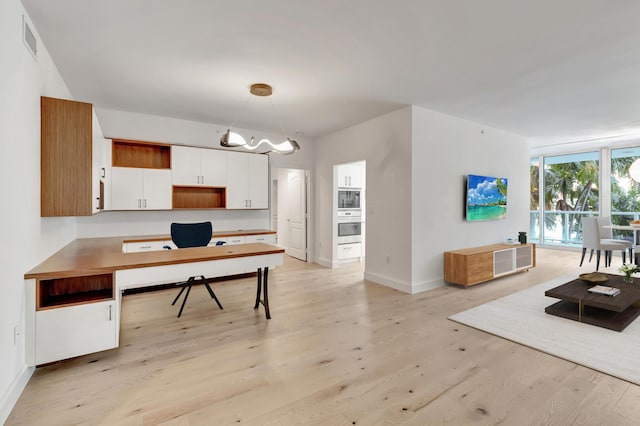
[{"x": 233, "y": 140}]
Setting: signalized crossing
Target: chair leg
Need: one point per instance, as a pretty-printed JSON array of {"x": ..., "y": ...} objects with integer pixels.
[
  {"x": 211, "y": 293},
  {"x": 186, "y": 296},
  {"x": 184, "y": 286},
  {"x": 584, "y": 251},
  {"x": 608, "y": 257},
  {"x": 598, "y": 260},
  {"x": 624, "y": 257},
  {"x": 590, "y": 255},
  {"x": 631, "y": 255}
]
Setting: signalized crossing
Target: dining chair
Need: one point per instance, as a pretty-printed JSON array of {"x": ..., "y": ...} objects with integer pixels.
[
  {"x": 591, "y": 240},
  {"x": 185, "y": 235},
  {"x": 606, "y": 235}
]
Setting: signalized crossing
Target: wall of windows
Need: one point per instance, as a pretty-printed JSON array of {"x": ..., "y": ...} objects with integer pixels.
[{"x": 569, "y": 187}]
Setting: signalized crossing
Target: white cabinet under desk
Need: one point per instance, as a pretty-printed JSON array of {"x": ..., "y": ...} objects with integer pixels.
[{"x": 71, "y": 316}]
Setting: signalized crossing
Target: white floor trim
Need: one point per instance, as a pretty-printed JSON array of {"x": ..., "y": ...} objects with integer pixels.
[
  {"x": 520, "y": 317},
  {"x": 12, "y": 394}
]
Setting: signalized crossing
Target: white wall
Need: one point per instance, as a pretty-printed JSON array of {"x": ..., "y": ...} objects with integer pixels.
[
  {"x": 417, "y": 161},
  {"x": 385, "y": 144},
  {"x": 27, "y": 238},
  {"x": 445, "y": 150},
  {"x": 129, "y": 125}
]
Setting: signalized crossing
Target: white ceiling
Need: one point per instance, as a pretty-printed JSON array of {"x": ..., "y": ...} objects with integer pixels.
[{"x": 549, "y": 70}]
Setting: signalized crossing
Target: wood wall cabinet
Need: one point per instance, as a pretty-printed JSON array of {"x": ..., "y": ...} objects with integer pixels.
[
  {"x": 480, "y": 264},
  {"x": 70, "y": 158},
  {"x": 247, "y": 181}
]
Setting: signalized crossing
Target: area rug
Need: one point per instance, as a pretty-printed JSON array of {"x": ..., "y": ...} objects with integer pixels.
[{"x": 520, "y": 317}]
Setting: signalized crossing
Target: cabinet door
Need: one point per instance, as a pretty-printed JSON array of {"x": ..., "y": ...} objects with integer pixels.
[
  {"x": 185, "y": 165},
  {"x": 157, "y": 189},
  {"x": 355, "y": 176},
  {"x": 503, "y": 261},
  {"x": 237, "y": 180},
  {"x": 76, "y": 330},
  {"x": 524, "y": 257},
  {"x": 126, "y": 188},
  {"x": 258, "y": 181},
  {"x": 213, "y": 167},
  {"x": 347, "y": 251},
  {"x": 343, "y": 176},
  {"x": 66, "y": 170}
]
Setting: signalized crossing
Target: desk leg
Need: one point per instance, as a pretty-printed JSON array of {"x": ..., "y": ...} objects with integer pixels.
[
  {"x": 266, "y": 294},
  {"x": 265, "y": 299},
  {"x": 259, "y": 289}
]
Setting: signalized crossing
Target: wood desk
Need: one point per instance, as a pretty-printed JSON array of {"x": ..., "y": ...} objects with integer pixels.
[{"x": 73, "y": 298}]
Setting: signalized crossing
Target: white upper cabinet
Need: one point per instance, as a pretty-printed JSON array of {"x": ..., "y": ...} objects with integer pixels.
[
  {"x": 198, "y": 166},
  {"x": 349, "y": 176},
  {"x": 140, "y": 189},
  {"x": 247, "y": 181}
]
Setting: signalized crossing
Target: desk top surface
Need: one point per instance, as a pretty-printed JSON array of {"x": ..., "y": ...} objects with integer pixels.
[{"x": 89, "y": 256}]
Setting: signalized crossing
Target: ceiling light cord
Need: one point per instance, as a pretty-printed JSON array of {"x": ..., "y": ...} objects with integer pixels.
[{"x": 275, "y": 114}]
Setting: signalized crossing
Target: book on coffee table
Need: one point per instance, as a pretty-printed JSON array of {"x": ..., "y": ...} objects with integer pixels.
[{"x": 603, "y": 289}]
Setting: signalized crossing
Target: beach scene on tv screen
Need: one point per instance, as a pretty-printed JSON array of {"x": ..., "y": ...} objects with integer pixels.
[{"x": 486, "y": 198}]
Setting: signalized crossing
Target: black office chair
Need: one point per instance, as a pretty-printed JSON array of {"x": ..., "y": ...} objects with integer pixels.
[{"x": 186, "y": 235}]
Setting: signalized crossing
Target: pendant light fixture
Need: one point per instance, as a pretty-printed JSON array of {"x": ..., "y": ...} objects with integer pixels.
[{"x": 232, "y": 139}]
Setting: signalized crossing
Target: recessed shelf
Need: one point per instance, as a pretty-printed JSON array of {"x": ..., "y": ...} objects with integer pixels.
[
  {"x": 198, "y": 197},
  {"x": 147, "y": 155},
  {"x": 58, "y": 292}
]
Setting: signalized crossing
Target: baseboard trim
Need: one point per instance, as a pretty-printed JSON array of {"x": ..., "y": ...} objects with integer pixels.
[
  {"x": 10, "y": 397},
  {"x": 327, "y": 263},
  {"x": 388, "y": 282},
  {"x": 403, "y": 286},
  {"x": 428, "y": 285}
]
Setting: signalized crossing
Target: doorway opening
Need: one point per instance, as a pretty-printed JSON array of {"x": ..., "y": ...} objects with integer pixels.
[{"x": 290, "y": 212}]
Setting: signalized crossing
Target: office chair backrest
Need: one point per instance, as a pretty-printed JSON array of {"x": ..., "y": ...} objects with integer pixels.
[{"x": 191, "y": 234}]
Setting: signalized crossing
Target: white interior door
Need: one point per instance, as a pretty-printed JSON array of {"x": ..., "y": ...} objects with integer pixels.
[{"x": 297, "y": 214}]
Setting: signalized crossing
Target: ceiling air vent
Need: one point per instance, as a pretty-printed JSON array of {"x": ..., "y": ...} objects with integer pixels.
[{"x": 29, "y": 38}]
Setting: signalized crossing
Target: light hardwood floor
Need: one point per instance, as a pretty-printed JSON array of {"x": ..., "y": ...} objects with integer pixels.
[{"x": 338, "y": 351}]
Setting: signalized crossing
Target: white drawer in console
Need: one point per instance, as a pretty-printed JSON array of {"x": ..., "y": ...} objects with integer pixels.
[
  {"x": 264, "y": 238},
  {"x": 240, "y": 239},
  {"x": 143, "y": 246}
]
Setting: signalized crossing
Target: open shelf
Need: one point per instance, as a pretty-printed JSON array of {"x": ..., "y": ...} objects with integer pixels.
[
  {"x": 59, "y": 292},
  {"x": 198, "y": 197},
  {"x": 147, "y": 155}
]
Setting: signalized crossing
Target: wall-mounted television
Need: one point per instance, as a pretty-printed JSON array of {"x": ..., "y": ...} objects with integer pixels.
[{"x": 486, "y": 198}]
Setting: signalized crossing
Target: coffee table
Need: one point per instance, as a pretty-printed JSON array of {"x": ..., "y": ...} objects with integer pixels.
[{"x": 614, "y": 313}]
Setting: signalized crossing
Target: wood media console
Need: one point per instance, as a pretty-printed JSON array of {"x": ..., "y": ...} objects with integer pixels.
[{"x": 476, "y": 265}]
